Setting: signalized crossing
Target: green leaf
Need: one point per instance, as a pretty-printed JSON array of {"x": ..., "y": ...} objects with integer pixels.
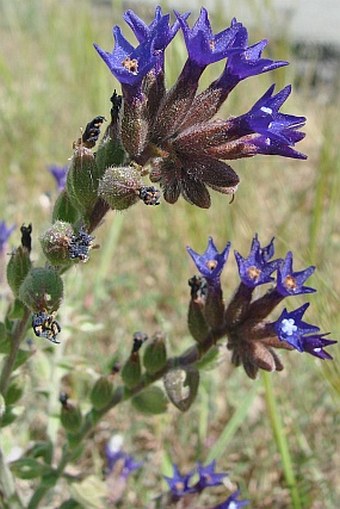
[
  {"x": 42, "y": 450},
  {"x": 181, "y": 385},
  {"x": 70, "y": 504},
  {"x": 17, "y": 310},
  {"x": 151, "y": 401},
  {"x": 29, "y": 468}
]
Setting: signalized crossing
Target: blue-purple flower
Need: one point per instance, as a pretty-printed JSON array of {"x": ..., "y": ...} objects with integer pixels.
[
  {"x": 118, "y": 459},
  {"x": 178, "y": 483},
  {"x": 256, "y": 269},
  {"x": 169, "y": 132},
  {"x": 208, "y": 477},
  {"x": 203, "y": 46},
  {"x": 210, "y": 263},
  {"x": 289, "y": 327},
  {"x": 315, "y": 344},
  {"x": 232, "y": 502},
  {"x": 128, "y": 64},
  {"x": 264, "y": 118},
  {"x": 290, "y": 282},
  {"x": 159, "y": 30},
  {"x": 248, "y": 62},
  {"x": 60, "y": 175},
  {"x": 5, "y": 233}
]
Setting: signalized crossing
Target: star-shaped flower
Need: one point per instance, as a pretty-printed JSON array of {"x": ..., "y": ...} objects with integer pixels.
[
  {"x": 258, "y": 144},
  {"x": 208, "y": 477},
  {"x": 203, "y": 46},
  {"x": 256, "y": 269},
  {"x": 119, "y": 460},
  {"x": 315, "y": 344},
  {"x": 290, "y": 328},
  {"x": 210, "y": 263},
  {"x": 128, "y": 64},
  {"x": 264, "y": 118},
  {"x": 178, "y": 483},
  {"x": 159, "y": 30},
  {"x": 290, "y": 282}
]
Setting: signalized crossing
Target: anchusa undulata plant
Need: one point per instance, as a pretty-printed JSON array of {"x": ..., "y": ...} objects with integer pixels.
[{"x": 171, "y": 138}]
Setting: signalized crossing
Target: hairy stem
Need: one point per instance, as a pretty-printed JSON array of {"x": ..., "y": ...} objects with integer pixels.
[
  {"x": 17, "y": 336},
  {"x": 190, "y": 357}
]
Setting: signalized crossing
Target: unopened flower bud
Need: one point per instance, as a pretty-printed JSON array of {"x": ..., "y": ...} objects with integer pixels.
[
  {"x": 155, "y": 354},
  {"x": 120, "y": 186},
  {"x": 55, "y": 243},
  {"x": 135, "y": 125},
  {"x": 64, "y": 210},
  {"x": 42, "y": 289},
  {"x": 82, "y": 180},
  {"x": 18, "y": 267},
  {"x": 102, "y": 392},
  {"x": 214, "y": 307},
  {"x": 71, "y": 417},
  {"x": 132, "y": 371},
  {"x": 197, "y": 323}
]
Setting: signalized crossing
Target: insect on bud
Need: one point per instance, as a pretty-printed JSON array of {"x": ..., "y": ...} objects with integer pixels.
[
  {"x": 120, "y": 187},
  {"x": 42, "y": 290}
]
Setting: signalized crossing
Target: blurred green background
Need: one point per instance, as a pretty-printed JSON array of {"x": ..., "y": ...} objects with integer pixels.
[{"x": 51, "y": 84}]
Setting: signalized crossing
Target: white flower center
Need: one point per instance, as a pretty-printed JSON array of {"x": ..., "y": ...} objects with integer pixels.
[
  {"x": 266, "y": 110},
  {"x": 288, "y": 326},
  {"x": 317, "y": 349},
  {"x": 232, "y": 505}
]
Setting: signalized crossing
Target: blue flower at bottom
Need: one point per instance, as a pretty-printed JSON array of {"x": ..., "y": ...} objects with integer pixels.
[
  {"x": 290, "y": 328},
  {"x": 232, "y": 502},
  {"x": 116, "y": 457},
  {"x": 208, "y": 477},
  {"x": 210, "y": 263},
  {"x": 178, "y": 483}
]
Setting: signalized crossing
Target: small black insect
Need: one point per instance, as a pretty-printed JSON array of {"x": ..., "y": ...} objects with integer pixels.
[
  {"x": 26, "y": 239},
  {"x": 92, "y": 131},
  {"x": 149, "y": 195},
  {"x": 45, "y": 326}
]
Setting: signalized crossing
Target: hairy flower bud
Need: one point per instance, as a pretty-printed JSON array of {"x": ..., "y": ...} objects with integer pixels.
[
  {"x": 18, "y": 267},
  {"x": 120, "y": 187},
  {"x": 82, "y": 180},
  {"x": 55, "y": 243},
  {"x": 154, "y": 358},
  {"x": 102, "y": 392},
  {"x": 132, "y": 371},
  {"x": 64, "y": 210},
  {"x": 42, "y": 289}
]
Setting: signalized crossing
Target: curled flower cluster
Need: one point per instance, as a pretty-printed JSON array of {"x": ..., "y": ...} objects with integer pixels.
[
  {"x": 172, "y": 133},
  {"x": 198, "y": 480},
  {"x": 251, "y": 338}
]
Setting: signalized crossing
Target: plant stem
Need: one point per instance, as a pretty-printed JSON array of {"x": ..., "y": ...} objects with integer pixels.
[
  {"x": 17, "y": 336},
  {"x": 190, "y": 357},
  {"x": 7, "y": 486},
  {"x": 281, "y": 440}
]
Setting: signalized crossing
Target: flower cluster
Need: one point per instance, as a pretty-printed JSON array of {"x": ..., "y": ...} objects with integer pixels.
[
  {"x": 172, "y": 133},
  {"x": 198, "y": 480},
  {"x": 251, "y": 338}
]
